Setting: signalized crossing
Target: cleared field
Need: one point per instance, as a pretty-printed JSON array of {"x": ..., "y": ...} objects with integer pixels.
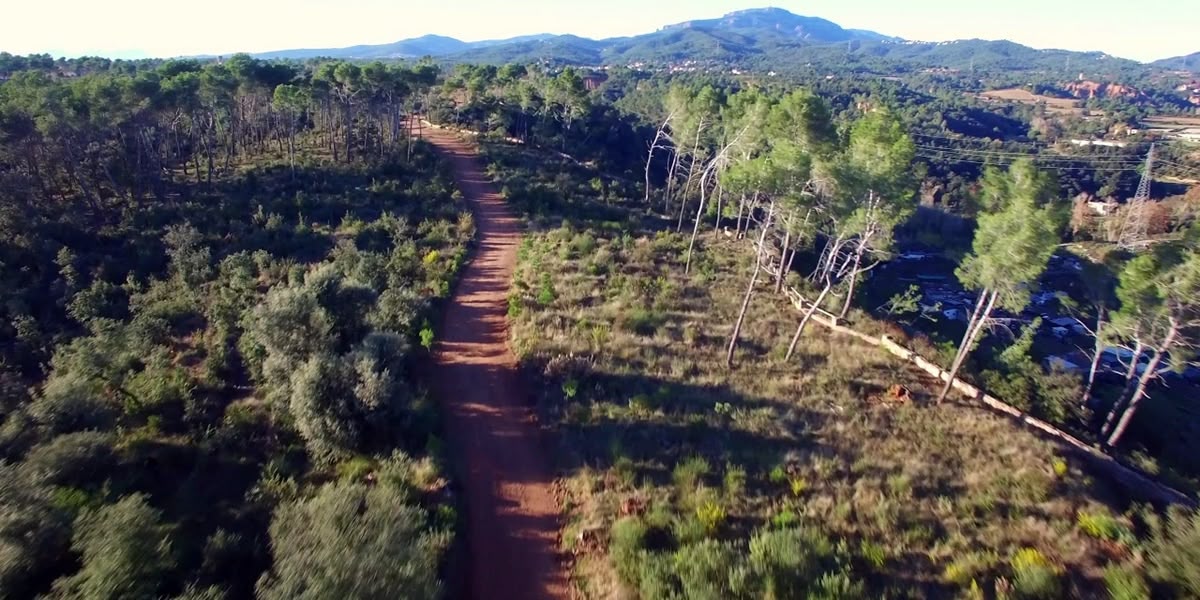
[
  {"x": 1023, "y": 96},
  {"x": 1172, "y": 121}
]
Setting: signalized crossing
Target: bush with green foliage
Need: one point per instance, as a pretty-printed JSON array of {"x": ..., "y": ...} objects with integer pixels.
[
  {"x": 79, "y": 459},
  {"x": 353, "y": 541},
  {"x": 1125, "y": 582},
  {"x": 34, "y": 533},
  {"x": 1034, "y": 576},
  {"x": 126, "y": 552},
  {"x": 1173, "y": 551}
]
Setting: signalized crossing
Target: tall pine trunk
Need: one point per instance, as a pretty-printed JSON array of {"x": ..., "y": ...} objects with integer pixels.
[
  {"x": 979, "y": 317},
  {"x": 853, "y": 282},
  {"x": 737, "y": 326},
  {"x": 1143, "y": 382},
  {"x": 1130, "y": 381},
  {"x": 1097, "y": 353}
]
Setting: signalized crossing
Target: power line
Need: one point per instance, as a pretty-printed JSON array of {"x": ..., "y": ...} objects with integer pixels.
[
  {"x": 1051, "y": 167},
  {"x": 1062, "y": 164},
  {"x": 1042, "y": 156},
  {"x": 1002, "y": 155}
]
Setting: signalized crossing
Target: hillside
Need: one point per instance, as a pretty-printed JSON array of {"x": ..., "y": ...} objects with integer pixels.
[{"x": 1190, "y": 62}]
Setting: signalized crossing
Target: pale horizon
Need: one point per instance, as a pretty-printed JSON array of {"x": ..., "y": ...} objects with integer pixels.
[{"x": 143, "y": 28}]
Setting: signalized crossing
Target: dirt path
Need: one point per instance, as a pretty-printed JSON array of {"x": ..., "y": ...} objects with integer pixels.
[{"x": 512, "y": 513}]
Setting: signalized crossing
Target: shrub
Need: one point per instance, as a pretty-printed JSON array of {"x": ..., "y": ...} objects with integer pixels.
[
  {"x": 642, "y": 403},
  {"x": 322, "y": 405},
  {"x": 788, "y": 559},
  {"x": 625, "y": 542},
  {"x": 1060, "y": 467},
  {"x": 875, "y": 554},
  {"x": 546, "y": 295},
  {"x": 159, "y": 390},
  {"x": 687, "y": 474},
  {"x": 1033, "y": 575},
  {"x": 1174, "y": 551},
  {"x": 73, "y": 459},
  {"x": 33, "y": 535},
  {"x": 329, "y": 546},
  {"x": 1124, "y": 582},
  {"x": 688, "y": 529},
  {"x": 515, "y": 305},
  {"x": 427, "y": 337},
  {"x": 355, "y": 469},
  {"x": 711, "y": 515},
  {"x": 656, "y": 576},
  {"x": 642, "y": 321},
  {"x": 798, "y": 485},
  {"x": 735, "y": 481},
  {"x": 778, "y": 474},
  {"x": 599, "y": 334},
  {"x": 1101, "y": 526},
  {"x": 290, "y": 323},
  {"x": 785, "y": 519},
  {"x": 837, "y": 586},
  {"x": 430, "y": 260},
  {"x": 570, "y": 387},
  {"x": 125, "y": 550},
  {"x": 704, "y": 570},
  {"x": 70, "y": 402},
  {"x": 583, "y": 244},
  {"x": 397, "y": 309},
  {"x": 970, "y": 566}
]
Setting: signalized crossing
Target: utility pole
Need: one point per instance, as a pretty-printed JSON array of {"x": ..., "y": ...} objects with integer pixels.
[{"x": 1135, "y": 226}]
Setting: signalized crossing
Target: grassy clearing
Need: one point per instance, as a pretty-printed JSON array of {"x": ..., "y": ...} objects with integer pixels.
[
  {"x": 1023, "y": 96},
  {"x": 665, "y": 452}
]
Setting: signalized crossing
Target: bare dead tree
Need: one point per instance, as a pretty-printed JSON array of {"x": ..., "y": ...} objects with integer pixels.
[{"x": 661, "y": 135}]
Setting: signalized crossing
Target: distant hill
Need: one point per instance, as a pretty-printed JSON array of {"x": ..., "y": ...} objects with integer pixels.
[
  {"x": 779, "y": 26},
  {"x": 765, "y": 38},
  {"x": 1190, "y": 62},
  {"x": 426, "y": 45}
]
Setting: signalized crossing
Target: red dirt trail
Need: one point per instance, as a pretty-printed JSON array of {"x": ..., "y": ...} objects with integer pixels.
[{"x": 512, "y": 519}]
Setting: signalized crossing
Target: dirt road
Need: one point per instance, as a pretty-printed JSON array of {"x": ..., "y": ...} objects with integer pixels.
[{"x": 512, "y": 513}]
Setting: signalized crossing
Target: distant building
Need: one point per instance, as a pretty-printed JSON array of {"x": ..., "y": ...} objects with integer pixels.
[{"x": 1104, "y": 143}]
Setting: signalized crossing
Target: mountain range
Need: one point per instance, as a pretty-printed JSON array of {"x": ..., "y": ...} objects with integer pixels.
[{"x": 765, "y": 38}]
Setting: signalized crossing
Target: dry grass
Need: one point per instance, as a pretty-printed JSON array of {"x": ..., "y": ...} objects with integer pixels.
[
  {"x": 1023, "y": 96},
  {"x": 627, "y": 355}
]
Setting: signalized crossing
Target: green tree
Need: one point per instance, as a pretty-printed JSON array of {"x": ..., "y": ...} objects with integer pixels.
[
  {"x": 291, "y": 101},
  {"x": 1167, "y": 307},
  {"x": 876, "y": 182},
  {"x": 1014, "y": 239}
]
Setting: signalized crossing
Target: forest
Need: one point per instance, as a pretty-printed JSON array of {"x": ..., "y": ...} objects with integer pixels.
[
  {"x": 217, "y": 281},
  {"x": 221, "y": 280}
]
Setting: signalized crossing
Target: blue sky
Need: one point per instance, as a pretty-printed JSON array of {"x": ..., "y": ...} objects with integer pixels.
[{"x": 1138, "y": 29}]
